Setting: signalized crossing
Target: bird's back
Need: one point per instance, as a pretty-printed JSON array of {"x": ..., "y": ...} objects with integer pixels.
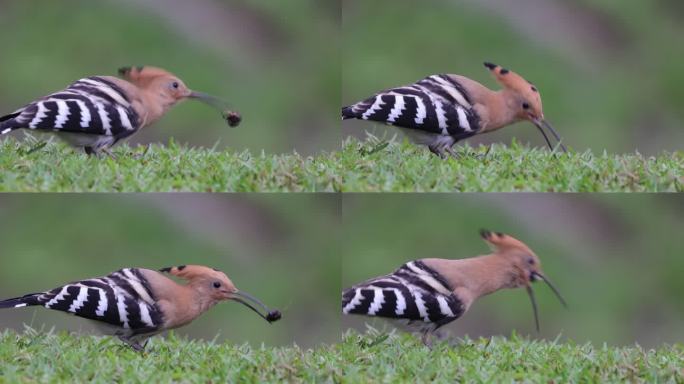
[
  {"x": 437, "y": 104},
  {"x": 414, "y": 293}
]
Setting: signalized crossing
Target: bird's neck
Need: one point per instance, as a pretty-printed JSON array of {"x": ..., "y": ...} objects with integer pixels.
[
  {"x": 497, "y": 109},
  {"x": 187, "y": 303},
  {"x": 154, "y": 106},
  {"x": 475, "y": 277}
]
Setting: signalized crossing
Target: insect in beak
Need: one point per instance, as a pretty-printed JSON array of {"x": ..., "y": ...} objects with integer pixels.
[
  {"x": 538, "y": 276},
  {"x": 542, "y": 124},
  {"x": 244, "y": 298},
  {"x": 232, "y": 117}
]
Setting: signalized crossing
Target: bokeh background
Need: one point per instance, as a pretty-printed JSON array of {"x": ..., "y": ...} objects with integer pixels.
[
  {"x": 276, "y": 62},
  {"x": 609, "y": 71},
  {"x": 617, "y": 259},
  {"x": 280, "y": 248}
]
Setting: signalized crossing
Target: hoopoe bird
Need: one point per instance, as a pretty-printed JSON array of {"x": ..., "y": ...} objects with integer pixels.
[
  {"x": 95, "y": 112},
  {"x": 136, "y": 303},
  {"x": 441, "y": 110},
  {"x": 424, "y": 295}
]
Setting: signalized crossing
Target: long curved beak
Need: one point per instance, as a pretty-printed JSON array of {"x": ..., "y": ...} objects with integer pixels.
[
  {"x": 233, "y": 118},
  {"x": 553, "y": 288},
  {"x": 244, "y": 298},
  {"x": 530, "y": 293},
  {"x": 542, "y": 124}
]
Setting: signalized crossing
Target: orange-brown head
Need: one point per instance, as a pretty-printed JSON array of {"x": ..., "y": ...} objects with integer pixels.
[
  {"x": 524, "y": 263},
  {"x": 524, "y": 99},
  {"x": 167, "y": 89},
  {"x": 215, "y": 285},
  {"x": 165, "y": 86}
]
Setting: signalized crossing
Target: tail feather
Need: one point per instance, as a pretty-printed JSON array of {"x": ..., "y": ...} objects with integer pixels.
[
  {"x": 348, "y": 113},
  {"x": 6, "y": 123},
  {"x": 23, "y": 301}
]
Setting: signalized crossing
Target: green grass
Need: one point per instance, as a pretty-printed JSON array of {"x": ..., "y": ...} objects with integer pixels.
[
  {"x": 377, "y": 166},
  {"x": 371, "y": 165},
  {"x": 30, "y": 357},
  {"x": 160, "y": 168}
]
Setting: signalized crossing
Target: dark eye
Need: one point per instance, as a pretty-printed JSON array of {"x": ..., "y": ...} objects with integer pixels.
[
  {"x": 526, "y": 106},
  {"x": 530, "y": 261},
  {"x": 217, "y": 284},
  {"x": 175, "y": 85}
]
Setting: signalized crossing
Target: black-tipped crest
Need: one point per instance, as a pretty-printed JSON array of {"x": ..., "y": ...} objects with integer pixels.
[
  {"x": 490, "y": 66},
  {"x": 124, "y": 71}
]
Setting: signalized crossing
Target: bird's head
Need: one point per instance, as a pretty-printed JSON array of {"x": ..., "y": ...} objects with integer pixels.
[
  {"x": 218, "y": 287},
  {"x": 167, "y": 89},
  {"x": 525, "y": 100},
  {"x": 525, "y": 267},
  {"x": 159, "y": 82}
]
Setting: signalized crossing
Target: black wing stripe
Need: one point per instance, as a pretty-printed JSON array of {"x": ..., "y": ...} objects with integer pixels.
[
  {"x": 413, "y": 292},
  {"x": 437, "y": 104},
  {"x": 121, "y": 299}
]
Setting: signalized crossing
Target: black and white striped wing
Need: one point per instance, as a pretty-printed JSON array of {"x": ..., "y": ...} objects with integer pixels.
[
  {"x": 437, "y": 104},
  {"x": 92, "y": 105},
  {"x": 414, "y": 292},
  {"x": 122, "y": 299}
]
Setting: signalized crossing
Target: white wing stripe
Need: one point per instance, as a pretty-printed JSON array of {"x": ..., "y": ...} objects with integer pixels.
[
  {"x": 375, "y": 107},
  {"x": 421, "y": 111},
  {"x": 401, "y": 303},
  {"x": 463, "y": 119},
  {"x": 123, "y": 116},
  {"x": 354, "y": 302},
  {"x": 40, "y": 115},
  {"x": 444, "y": 307},
  {"x": 85, "y": 114},
  {"x": 108, "y": 90},
  {"x": 60, "y": 296},
  {"x": 145, "y": 315},
  {"x": 378, "y": 300},
  {"x": 106, "y": 124},
  {"x": 396, "y": 110},
  {"x": 80, "y": 299},
  {"x": 458, "y": 96},
  {"x": 62, "y": 113},
  {"x": 102, "y": 303}
]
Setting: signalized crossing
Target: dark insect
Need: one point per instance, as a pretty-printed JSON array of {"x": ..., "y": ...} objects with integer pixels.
[
  {"x": 273, "y": 316},
  {"x": 233, "y": 118}
]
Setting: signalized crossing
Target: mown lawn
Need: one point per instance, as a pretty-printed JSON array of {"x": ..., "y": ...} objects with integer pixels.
[
  {"x": 379, "y": 166},
  {"x": 368, "y": 166},
  {"x": 161, "y": 168},
  {"x": 374, "y": 357}
]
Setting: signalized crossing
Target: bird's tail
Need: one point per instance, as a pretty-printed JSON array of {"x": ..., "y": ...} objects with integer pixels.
[
  {"x": 23, "y": 301},
  {"x": 348, "y": 113},
  {"x": 7, "y": 123}
]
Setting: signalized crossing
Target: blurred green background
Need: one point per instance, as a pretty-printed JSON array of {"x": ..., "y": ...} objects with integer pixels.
[
  {"x": 610, "y": 71},
  {"x": 280, "y": 248},
  {"x": 617, "y": 259},
  {"x": 275, "y": 62}
]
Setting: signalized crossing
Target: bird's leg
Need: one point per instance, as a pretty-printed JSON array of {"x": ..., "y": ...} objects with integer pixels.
[
  {"x": 426, "y": 339},
  {"x": 108, "y": 152},
  {"x": 437, "y": 151},
  {"x": 454, "y": 154},
  {"x": 489, "y": 148},
  {"x": 131, "y": 342}
]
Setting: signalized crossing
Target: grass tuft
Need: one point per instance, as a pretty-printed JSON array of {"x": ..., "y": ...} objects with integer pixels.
[
  {"x": 374, "y": 357},
  {"x": 378, "y": 166}
]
